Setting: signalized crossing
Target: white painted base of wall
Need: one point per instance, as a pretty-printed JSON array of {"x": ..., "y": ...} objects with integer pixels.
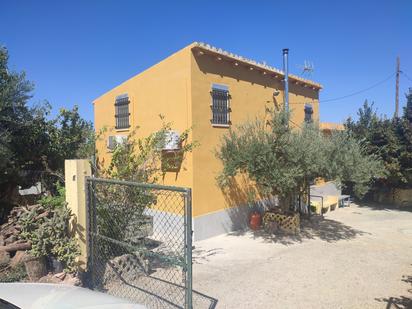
[
  {"x": 220, "y": 222},
  {"x": 228, "y": 220},
  {"x": 170, "y": 226}
]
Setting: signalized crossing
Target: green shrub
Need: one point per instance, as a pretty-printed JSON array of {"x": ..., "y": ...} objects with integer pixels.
[
  {"x": 390, "y": 139},
  {"x": 139, "y": 159},
  {"x": 15, "y": 274},
  {"x": 51, "y": 235}
]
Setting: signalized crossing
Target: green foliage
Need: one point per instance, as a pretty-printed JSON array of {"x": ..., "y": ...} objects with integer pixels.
[
  {"x": 55, "y": 201},
  {"x": 139, "y": 159},
  {"x": 15, "y": 274},
  {"x": 71, "y": 137},
  {"x": 33, "y": 147},
  {"x": 258, "y": 149},
  {"x": 142, "y": 159},
  {"x": 390, "y": 139},
  {"x": 47, "y": 227},
  {"x": 408, "y": 108},
  {"x": 349, "y": 162},
  {"x": 282, "y": 161},
  {"x": 19, "y": 127}
]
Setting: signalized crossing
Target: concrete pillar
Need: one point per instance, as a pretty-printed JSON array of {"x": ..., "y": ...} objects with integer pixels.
[{"x": 75, "y": 172}]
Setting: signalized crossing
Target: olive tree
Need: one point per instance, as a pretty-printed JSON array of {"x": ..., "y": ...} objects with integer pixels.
[{"x": 282, "y": 160}]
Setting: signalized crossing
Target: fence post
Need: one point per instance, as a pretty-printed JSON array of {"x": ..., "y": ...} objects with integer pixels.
[
  {"x": 75, "y": 172},
  {"x": 188, "y": 249}
]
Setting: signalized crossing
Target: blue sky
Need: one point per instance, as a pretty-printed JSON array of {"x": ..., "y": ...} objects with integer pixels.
[{"x": 76, "y": 50}]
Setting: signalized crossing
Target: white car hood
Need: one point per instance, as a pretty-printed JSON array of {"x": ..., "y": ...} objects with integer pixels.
[{"x": 53, "y": 296}]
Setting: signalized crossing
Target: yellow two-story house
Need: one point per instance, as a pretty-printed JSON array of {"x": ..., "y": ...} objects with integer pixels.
[{"x": 209, "y": 90}]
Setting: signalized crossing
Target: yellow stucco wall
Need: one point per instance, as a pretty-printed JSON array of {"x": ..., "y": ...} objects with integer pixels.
[
  {"x": 162, "y": 89},
  {"x": 179, "y": 88},
  {"x": 75, "y": 172},
  {"x": 251, "y": 92}
]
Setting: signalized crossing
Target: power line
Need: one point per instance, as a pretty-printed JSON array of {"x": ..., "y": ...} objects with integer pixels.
[
  {"x": 406, "y": 75},
  {"x": 360, "y": 91},
  {"x": 354, "y": 93}
]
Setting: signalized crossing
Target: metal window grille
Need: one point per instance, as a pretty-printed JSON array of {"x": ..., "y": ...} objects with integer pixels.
[
  {"x": 308, "y": 112},
  {"x": 220, "y": 106},
  {"x": 122, "y": 112}
]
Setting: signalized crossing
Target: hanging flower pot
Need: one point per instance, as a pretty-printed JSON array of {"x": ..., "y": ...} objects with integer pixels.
[{"x": 255, "y": 220}]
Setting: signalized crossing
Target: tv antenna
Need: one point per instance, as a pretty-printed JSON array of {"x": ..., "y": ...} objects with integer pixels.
[{"x": 307, "y": 68}]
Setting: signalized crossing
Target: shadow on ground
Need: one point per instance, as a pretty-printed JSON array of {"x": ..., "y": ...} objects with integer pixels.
[
  {"x": 315, "y": 228},
  {"x": 201, "y": 300},
  {"x": 156, "y": 292},
  {"x": 399, "y": 302},
  {"x": 163, "y": 284},
  {"x": 201, "y": 256}
]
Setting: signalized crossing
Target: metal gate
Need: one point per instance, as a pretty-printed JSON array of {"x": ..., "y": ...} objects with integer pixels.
[{"x": 140, "y": 242}]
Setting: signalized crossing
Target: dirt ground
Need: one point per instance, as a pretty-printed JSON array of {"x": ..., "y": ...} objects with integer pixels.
[{"x": 356, "y": 257}]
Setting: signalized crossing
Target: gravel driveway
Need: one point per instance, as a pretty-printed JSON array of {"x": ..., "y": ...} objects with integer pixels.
[{"x": 356, "y": 257}]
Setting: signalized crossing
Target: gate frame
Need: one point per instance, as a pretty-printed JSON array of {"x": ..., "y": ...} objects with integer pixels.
[{"x": 188, "y": 227}]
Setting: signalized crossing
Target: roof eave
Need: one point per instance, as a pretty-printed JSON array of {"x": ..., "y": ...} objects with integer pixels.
[{"x": 266, "y": 69}]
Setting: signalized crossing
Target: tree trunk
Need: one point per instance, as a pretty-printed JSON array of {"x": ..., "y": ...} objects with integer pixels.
[{"x": 285, "y": 202}]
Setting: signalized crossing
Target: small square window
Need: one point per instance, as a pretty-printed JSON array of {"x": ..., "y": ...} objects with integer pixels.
[
  {"x": 122, "y": 111},
  {"x": 308, "y": 113},
  {"x": 220, "y": 105}
]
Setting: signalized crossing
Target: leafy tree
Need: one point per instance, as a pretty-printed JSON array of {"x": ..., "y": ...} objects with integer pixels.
[
  {"x": 70, "y": 137},
  {"x": 22, "y": 130},
  {"x": 5, "y": 153},
  {"x": 367, "y": 121},
  {"x": 404, "y": 133},
  {"x": 282, "y": 161},
  {"x": 33, "y": 147},
  {"x": 391, "y": 139},
  {"x": 350, "y": 163},
  {"x": 408, "y": 108}
]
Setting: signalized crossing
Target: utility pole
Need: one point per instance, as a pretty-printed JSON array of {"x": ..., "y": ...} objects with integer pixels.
[{"x": 398, "y": 71}]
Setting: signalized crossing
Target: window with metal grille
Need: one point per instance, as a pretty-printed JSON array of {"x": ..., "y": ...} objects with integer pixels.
[
  {"x": 308, "y": 112},
  {"x": 122, "y": 111},
  {"x": 220, "y": 105}
]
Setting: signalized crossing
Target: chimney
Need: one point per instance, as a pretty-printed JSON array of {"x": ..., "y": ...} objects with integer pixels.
[{"x": 286, "y": 71}]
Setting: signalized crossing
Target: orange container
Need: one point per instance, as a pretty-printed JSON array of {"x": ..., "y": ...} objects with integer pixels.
[{"x": 255, "y": 220}]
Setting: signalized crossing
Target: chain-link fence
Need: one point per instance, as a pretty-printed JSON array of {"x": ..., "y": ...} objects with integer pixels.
[{"x": 140, "y": 242}]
